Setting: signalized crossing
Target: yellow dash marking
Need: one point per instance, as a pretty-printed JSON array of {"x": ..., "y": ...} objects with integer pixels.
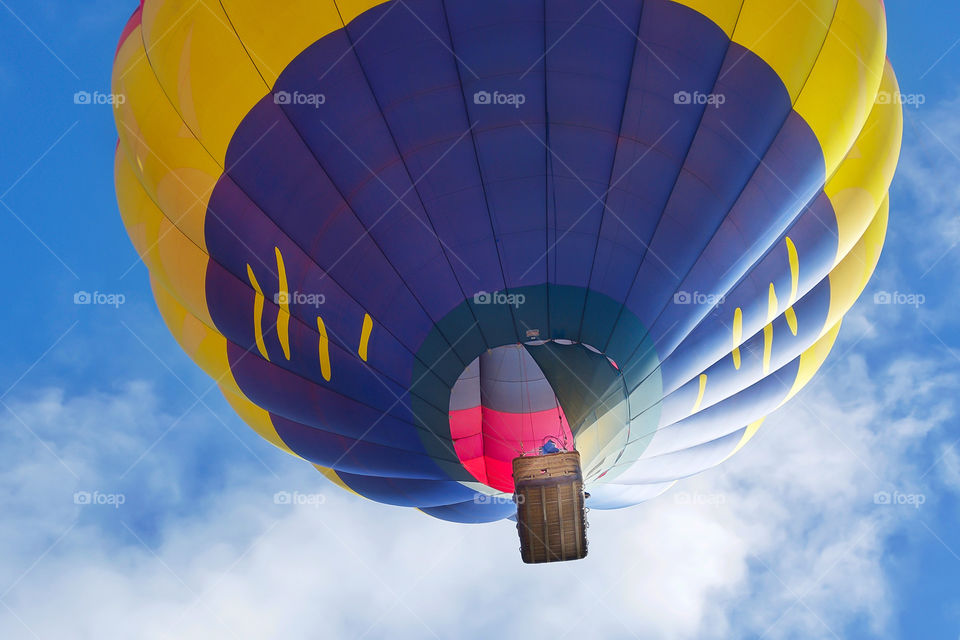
[
  {"x": 772, "y": 304},
  {"x": 703, "y": 387},
  {"x": 791, "y": 320},
  {"x": 324, "y": 350},
  {"x": 258, "y": 313},
  {"x": 283, "y": 299},
  {"x": 794, "y": 269},
  {"x": 365, "y": 336},
  {"x": 737, "y": 336},
  {"x": 767, "y": 347}
]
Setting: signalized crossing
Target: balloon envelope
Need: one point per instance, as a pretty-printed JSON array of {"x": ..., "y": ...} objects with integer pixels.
[{"x": 412, "y": 240}]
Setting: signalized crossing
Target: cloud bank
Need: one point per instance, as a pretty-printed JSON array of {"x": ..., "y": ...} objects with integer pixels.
[{"x": 785, "y": 540}]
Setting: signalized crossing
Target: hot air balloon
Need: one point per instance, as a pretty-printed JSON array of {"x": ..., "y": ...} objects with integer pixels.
[{"x": 413, "y": 241}]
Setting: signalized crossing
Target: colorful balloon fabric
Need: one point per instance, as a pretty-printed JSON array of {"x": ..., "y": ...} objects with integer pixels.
[{"x": 413, "y": 239}]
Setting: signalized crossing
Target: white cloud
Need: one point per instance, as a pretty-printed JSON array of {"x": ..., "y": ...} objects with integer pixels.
[
  {"x": 949, "y": 466},
  {"x": 929, "y": 172},
  {"x": 792, "y": 547}
]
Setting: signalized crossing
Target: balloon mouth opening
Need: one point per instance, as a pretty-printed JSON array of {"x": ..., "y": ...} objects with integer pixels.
[{"x": 503, "y": 407}]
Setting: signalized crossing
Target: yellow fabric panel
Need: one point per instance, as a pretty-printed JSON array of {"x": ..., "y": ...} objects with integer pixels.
[
  {"x": 350, "y": 9},
  {"x": 811, "y": 360},
  {"x": 860, "y": 185},
  {"x": 787, "y": 35},
  {"x": 202, "y": 67},
  {"x": 843, "y": 85},
  {"x": 256, "y": 417},
  {"x": 849, "y": 278},
  {"x": 165, "y": 250},
  {"x": 723, "y": 13},
  {"x": 173, "y": 167},
  {"x": 293, "y": 26},
  {"x": 205, "y": 346},
  {"x": 332, "y": 476},
  {"x": 750, "y": 431},
  {"x": 208, "y": 349}
]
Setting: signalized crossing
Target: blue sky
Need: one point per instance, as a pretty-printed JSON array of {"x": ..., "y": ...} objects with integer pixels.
[{"x": 785, "y": 540}]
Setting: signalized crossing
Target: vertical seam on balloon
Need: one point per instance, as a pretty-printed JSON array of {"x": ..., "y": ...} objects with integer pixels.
[
  {"x": 613, "y": 166},
  {"x": 547, "y": 173},
  {"x": 676, "y": 180},
  {"x": 494, "y": 237},
  {"x": 483, "y": 434},
  {"x": 406, "y": 168},
  {"x": 244, "y": 46}
]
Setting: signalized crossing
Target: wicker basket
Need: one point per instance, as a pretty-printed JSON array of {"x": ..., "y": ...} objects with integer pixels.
[{"x": 551, "y": 518}]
